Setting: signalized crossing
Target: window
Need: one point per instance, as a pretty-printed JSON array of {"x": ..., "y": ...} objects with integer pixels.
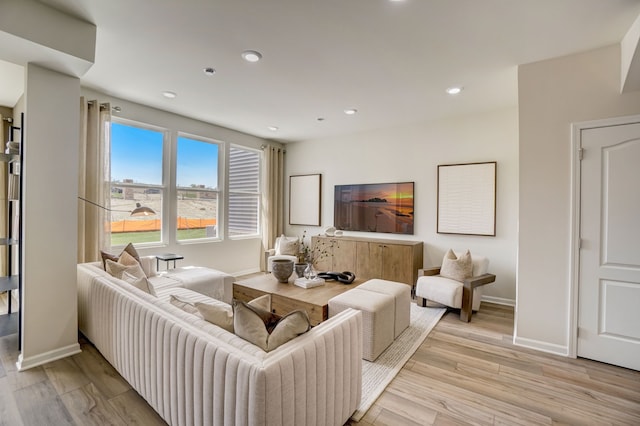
[
  {"x": 197, "y": 189},
  {"x": 202, "y": 198},
  {"x": 244, "y": 192},
  {"x": 136, "y": 178}
]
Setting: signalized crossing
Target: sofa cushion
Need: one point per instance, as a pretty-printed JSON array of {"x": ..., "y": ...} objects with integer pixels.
[
  {"x": 457, "y": 268},
  {"x": 257, "y": 327}
]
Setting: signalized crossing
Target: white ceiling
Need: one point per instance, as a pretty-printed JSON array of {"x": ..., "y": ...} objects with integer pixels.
[{"x": 392, "y": 61}]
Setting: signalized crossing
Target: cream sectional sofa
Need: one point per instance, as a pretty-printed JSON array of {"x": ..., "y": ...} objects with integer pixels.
[{"x": 195, "y": 373}]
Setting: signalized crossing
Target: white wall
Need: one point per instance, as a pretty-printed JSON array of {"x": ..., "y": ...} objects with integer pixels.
[
  {"x": 412, "y": 153},
  {"x": 552, "y": 95},
  {"x": 232, "y": 256},
  {"x": 48, "y": 243}
]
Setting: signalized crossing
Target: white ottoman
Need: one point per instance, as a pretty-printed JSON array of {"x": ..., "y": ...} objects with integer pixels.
[
  {"x": 402, "y": 295},
  {"x": 378, "y": 311}
]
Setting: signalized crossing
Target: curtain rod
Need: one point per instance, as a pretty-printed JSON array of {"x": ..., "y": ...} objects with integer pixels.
[
  {"x": 104, "y": 105},
  {"x": 262, "y": 147}
]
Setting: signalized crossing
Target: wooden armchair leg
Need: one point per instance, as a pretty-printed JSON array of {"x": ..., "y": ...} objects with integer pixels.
[{"x": 467, "y": 304}]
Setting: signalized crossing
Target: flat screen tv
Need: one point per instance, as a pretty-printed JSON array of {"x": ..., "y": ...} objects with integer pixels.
[{"x": 374, "y": 207}]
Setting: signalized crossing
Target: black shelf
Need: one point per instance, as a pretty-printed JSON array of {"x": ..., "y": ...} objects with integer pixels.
[
  {"x": 9, "y": 324},
  {"x": 9, "y": 283}
]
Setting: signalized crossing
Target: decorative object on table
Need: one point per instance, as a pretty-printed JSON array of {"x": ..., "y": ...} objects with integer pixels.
[
  {"x": 282, "y": 269},
  {"x": 305, "y": 283},
  {"x": 314, "y": 254},
  {"x": 383, "y": 207},
  {"x": 330, "y": 231},
  {"x": 304, "y": 199},
  {"x": 345, "y": 277},
  {"x": 467, "y": 199},
  {"x": 300, "y": 267},
  {"x": 310, "y": 272}
]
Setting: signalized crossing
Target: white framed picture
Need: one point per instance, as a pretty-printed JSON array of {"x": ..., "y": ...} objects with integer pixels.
[
  {"x": 467, "y": 199},
  {"x": 305, "y": 199}
]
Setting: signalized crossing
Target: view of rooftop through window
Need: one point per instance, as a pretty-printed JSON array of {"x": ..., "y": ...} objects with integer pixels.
[
  {"x": 136, "y": 154},
  {"x": 197, "y": 188},
  {"x": 136, "y": 177}
]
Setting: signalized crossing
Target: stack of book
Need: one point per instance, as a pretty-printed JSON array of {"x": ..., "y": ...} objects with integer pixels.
[{"x": 306, "y": 283}]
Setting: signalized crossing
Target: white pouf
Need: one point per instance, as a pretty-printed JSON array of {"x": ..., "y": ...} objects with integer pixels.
[
  {"x": 402, "y": 295},
  {"x": 378, "y": 310}
]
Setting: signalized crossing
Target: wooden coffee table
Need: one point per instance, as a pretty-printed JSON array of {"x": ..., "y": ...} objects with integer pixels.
[{"x": 288, "y": 297}]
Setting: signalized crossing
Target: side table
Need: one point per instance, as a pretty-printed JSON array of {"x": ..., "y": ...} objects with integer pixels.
[{"x": 167, "y": 257}]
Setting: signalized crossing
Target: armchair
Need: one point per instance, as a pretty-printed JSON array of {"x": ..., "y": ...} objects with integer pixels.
[
  {"x": 464, "y": 295},
  {"x": 284, "y": 248}
]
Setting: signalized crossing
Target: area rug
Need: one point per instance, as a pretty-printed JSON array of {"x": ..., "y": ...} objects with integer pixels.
[{"x": 378, "y": 374}]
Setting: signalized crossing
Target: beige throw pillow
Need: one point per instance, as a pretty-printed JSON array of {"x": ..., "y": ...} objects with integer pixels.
[
  {"x": 287, "y": 246},
  {"x": 457, "y": 268},
  {"x": 116, "y": 269},
  {"x": 250, "y": 324},
  {"x": 129, "y": 249},
  {"x": 184, "y": 304},
  {"x": 139, "y": 282},
  {"x": 221, "y": 314}
]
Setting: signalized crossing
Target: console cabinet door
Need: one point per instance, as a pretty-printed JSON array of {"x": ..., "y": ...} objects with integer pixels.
[
  {"x": 336, "y": 254},
  {"x": 368, "y": 260},
  {"x": 397, "y": 262},
  {"x": 344, "y": 255}
]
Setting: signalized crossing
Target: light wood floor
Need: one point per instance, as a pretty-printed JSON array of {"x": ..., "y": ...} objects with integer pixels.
[{"x": 462, "y": 374}]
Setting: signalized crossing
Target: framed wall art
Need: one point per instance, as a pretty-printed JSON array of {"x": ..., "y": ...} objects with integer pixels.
[
  {"x": 305, "y": 199},
  {"x": 467, "y": 199}
]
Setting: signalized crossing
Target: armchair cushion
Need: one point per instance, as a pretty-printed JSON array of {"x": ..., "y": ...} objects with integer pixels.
[
  {"x": 455, "y": 267},
  {"x": 289, "y": 246}
]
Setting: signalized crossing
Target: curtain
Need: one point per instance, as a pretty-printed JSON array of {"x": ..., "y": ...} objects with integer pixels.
[
  {"x": 273, "y": 198},
  {"x": 3, "y": 200},
  {"x": 93, "y": 179}
]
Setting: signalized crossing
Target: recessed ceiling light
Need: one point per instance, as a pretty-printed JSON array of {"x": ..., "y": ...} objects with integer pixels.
[
  {"x": 169, "y": 95},
  {"x": 454, "y": 90},
  {"x": 320, "y": 119},
  {"x": 350, "y": 111},
  {"x": 209, "y": 71},
  {"x": 251, "y": 56},
  {"x": 272, "y": 128}
]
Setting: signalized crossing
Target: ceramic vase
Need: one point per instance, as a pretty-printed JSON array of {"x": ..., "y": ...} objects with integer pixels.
[
  {"x": 282, "y": 269},
  {"x": 300, "y": 267}
]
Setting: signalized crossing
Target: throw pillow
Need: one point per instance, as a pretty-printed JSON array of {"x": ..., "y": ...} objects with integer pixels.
[
  {"x": 130, "y": 249},
  {"x": 104, "y": 255},
  {"x": 117, "y": 269},
  {"x": 457, "y": 268},
  {"x": 221, "y": 314},
  {"x": 289, "y": 246},
  {"x": 184, "y": 304},
  {"x": 250, "y": 324},
  {"x": 139, "y": 282}
]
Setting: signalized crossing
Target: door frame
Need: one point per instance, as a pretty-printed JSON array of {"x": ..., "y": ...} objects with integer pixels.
[{"x": 574, "y": 239}]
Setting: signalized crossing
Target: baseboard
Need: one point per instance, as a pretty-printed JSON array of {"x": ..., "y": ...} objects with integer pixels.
[
  {"x": 499, "y": 300},
  {"x": 54, "y": 355},
  {"x": 541, "y": 346}
]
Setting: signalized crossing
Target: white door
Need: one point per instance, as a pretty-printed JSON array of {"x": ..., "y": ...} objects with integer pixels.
[{"x": 609, "y": 287}]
